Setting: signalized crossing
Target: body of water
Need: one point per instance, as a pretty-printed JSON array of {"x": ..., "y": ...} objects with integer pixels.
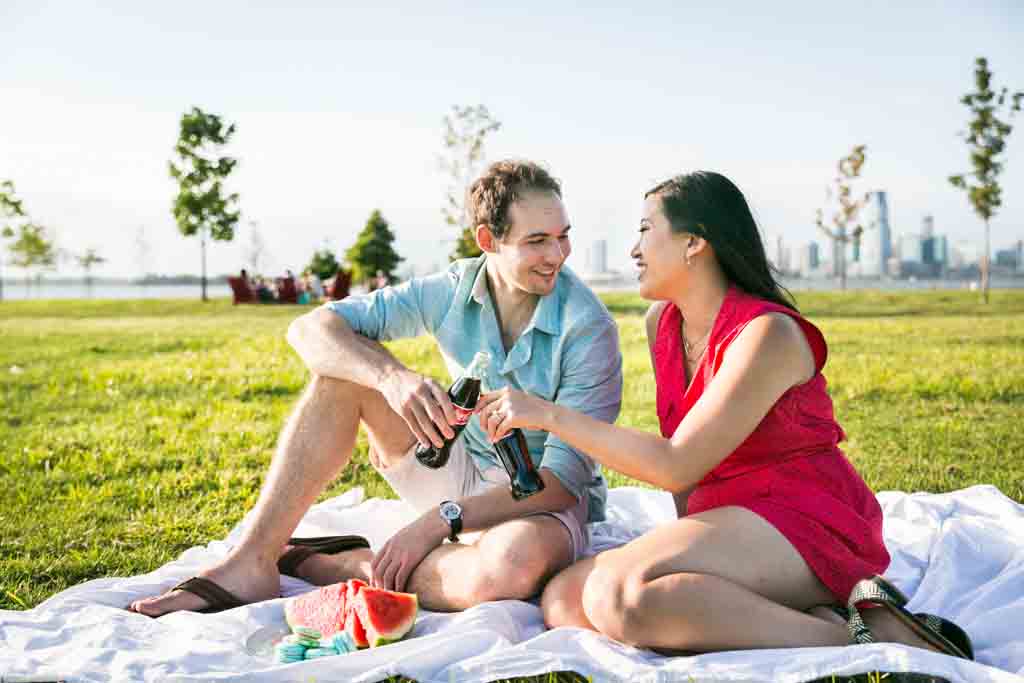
[
  {"x": 19, "y": 292},
  {"x": 14, "y": 291}
]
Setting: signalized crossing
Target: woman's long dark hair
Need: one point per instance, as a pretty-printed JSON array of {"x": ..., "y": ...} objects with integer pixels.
[{"x": 709, "y": 205}]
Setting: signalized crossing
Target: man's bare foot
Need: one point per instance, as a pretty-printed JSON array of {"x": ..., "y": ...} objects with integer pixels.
[
  {"x": 320, "y": 569},
  {"x": 887, "y": 628},
  {"x": 249, "y": 581}
]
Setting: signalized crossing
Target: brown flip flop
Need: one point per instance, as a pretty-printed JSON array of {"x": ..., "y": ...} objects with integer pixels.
[
  {"x": 217, "y": 598},
  {"x": 304, "y": 547}
]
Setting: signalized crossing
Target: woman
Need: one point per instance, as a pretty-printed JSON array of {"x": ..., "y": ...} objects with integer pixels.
[{"x": 776, "y": 530}]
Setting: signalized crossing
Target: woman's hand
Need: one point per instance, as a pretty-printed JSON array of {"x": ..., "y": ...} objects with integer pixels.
[{"x": 502, "y": 410}]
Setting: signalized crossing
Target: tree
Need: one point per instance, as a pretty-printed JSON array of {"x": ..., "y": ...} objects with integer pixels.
[
  {"x": 201, "y": 205},
  {"x": 373, "y": 251},
  {"x": 845, "y": 228},
  {"x": 986, "y": 141},
  {"x": 32, "y": 248},
  {"x": 464, "y": 132},
  {"x": 86, "y": 260},
  {"x": 323, "y": 264},
  {"x": 11, "y": 209}
]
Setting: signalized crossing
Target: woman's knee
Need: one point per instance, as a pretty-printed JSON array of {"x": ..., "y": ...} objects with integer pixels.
[
  {"x": 562, "y": 600},
  {"x": 613, "y": 601}
]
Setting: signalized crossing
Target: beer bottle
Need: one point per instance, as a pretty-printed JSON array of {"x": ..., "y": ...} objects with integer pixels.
[
  {"x": 464, "y": 393},
  {"x": 515, "y": 457}
]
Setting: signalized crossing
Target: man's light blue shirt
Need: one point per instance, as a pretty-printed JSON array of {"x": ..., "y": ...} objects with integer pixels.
[{"x": 569, "y": 354}]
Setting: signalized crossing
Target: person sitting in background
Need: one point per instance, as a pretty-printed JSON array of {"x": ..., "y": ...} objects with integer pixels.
[{"x": 263, "y": 291}]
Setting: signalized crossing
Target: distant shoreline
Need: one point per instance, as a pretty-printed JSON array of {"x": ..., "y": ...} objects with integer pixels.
[{"x": 126, "y": 290}]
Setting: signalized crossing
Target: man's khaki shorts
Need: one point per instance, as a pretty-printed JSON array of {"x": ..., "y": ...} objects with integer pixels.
[{"x": 423, "y": 488}]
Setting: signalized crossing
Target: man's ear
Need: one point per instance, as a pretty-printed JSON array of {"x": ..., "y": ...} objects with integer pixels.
[{"x": 485, "y": 239}]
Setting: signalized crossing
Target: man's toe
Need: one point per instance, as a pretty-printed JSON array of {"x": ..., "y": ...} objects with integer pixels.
[{"x": 175, "y": 601}]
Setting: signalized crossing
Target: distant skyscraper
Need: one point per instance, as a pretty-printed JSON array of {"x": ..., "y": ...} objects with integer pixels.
[
  {"x": 941, "y": 250},
  {"x": 597, "y": 257},
  {"x": 808, "y": 258},
  {"x": 876, "y": 242},
  {"x": 911, "y": 249},
  {"x": 928, "y": 227}
]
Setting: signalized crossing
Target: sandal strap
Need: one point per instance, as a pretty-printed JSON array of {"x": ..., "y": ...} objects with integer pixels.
[
  {"x": 217, "y": 598},
  {"x": 302, "y": 548},
  {"x": 288, "y": 563},
  {"x": 894, "y": 592},
  {"x": 860, "y": 634},
  {"x": 868, "y": 590}
]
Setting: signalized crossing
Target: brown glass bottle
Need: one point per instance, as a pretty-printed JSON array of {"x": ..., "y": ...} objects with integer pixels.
[
  {"x": 464, "y": 394},
  {"x": 515, "y": 457}
]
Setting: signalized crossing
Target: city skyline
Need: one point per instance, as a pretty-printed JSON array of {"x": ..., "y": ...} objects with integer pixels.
[{"x": 339, "y": 113}]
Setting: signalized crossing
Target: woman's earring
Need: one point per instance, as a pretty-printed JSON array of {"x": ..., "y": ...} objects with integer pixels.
[{"x": 687, "y": 260}]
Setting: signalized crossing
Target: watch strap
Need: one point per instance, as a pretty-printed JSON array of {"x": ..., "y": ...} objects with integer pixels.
[{"x": 456, "y": 529}]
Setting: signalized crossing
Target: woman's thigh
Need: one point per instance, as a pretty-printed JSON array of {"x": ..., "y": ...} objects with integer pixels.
[{"x": 732, "y": 543}]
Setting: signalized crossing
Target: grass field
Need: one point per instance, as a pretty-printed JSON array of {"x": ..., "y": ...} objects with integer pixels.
[{"x": 134, "y": 430}]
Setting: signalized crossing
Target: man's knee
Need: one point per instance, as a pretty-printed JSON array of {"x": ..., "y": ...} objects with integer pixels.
[
  {"x": 321, "y": 388},
  {"x": 511, "y": 571}
]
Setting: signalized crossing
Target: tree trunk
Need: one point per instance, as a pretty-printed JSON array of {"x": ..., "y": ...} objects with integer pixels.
[
  {"x": 202, "y": 242},
  {"x": 840, "y": 258},
  {"x": 985, "y": 266}
]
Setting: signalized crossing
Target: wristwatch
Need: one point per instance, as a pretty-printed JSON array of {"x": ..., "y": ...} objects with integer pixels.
[{"x": 451, "y": 512}]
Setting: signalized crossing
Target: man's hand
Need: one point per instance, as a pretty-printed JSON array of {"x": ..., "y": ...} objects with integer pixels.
[
  {"x": 423, "y": 404},
  {"x": 404, "y": 551}
]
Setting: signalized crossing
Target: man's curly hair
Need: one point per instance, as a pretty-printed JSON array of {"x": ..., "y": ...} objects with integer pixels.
[{"x": 489, "y": 197}]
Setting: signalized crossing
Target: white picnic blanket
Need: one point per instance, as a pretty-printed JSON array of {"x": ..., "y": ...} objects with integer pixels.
[{"x": 960, "y": 555}]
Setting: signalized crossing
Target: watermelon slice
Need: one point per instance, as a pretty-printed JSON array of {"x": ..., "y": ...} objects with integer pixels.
[
  {"x": 386, "y": 615},
  {"x": 353, "y": 625},
  {"x": 323, "y": 609}
]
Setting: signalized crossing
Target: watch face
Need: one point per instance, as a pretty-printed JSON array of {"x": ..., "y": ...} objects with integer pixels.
[{"x": 450, "y": 510}]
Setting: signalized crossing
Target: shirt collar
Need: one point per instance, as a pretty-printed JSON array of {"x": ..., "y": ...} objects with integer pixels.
[{"x": 545, "y": 317}]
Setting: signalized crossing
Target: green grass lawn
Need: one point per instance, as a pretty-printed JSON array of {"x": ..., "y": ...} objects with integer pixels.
[{"x": 134, "y": 430}]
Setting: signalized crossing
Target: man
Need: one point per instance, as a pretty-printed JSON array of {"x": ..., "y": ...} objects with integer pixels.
[{"x": 547, "y": 333}]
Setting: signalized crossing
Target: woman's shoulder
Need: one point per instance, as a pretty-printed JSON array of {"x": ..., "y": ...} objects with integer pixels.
[{"x": 776, "y": 322}]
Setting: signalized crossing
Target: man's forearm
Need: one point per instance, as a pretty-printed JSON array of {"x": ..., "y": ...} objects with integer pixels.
[
  {"x": 495, "y": 506},
  {"x": 331, "y": 348}
]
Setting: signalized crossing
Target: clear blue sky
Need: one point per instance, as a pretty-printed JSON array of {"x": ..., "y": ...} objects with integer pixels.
[{"x": 339, "y": 111}]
